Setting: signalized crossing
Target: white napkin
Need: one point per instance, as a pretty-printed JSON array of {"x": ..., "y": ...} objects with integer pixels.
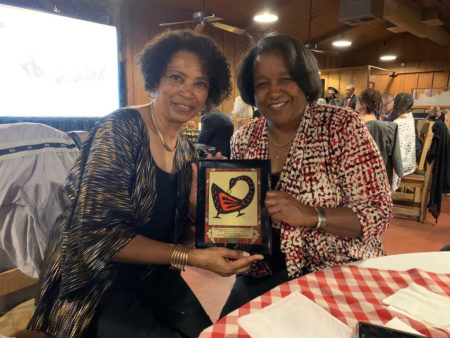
[
  {"x": 294, "y": 316},
  {"x": 397, "y": 324},
  {"x": 421, "y": 304}
]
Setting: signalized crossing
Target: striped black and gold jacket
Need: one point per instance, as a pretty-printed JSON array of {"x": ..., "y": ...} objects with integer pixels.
[{"x": 112, "y": 190}]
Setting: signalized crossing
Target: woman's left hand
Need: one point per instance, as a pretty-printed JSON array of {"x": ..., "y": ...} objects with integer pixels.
[{"x": 282, "y": 207}]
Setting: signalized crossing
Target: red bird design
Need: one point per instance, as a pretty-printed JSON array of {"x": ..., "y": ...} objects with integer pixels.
[{"x": 226, "y": 203}]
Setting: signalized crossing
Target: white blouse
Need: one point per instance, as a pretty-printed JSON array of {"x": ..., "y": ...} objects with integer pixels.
[{"x": 407, "y": 137}]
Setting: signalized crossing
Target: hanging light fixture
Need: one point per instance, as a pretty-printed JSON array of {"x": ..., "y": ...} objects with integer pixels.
[
  {"x": 389, "y": 51},
  {"x": 266, "y": 16},
  {"x": 342, "y": 43},
  {"x": 388, "y": 57}
]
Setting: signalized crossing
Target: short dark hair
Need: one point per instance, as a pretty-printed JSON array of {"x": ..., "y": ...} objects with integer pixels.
[
  {"x": 371, "y": 98},
  {"x": 157, "y": 54},
  {"x": 300, "y": 61}
]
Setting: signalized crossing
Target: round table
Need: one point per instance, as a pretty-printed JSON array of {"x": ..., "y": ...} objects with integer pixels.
[{"x": 436, "y": 261}]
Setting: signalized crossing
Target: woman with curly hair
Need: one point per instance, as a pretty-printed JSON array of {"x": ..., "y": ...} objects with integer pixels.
[{"x": 133, "y": 194}]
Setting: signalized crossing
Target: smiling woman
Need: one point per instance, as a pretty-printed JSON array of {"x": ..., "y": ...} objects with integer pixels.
[
  {"x": 133, "y": 192},
  {"x": 330, "y": 201}
]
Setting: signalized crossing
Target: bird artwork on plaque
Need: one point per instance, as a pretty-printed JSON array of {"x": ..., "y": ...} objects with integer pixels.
[
  {"x": 232, "y": 209},
  {"x": 231, "y": 204},
  {"x": 226, "y": 203}
]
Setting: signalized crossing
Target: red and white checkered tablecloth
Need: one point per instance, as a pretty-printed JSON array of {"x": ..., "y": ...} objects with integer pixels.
[{"x": 350, "y": 293}]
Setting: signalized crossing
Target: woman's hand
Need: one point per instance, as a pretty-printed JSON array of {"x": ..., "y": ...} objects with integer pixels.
[
  {"x": 218, "y": 156},
  {"x": 282, "y": 207},
  {"x": 223, "y": 261}
]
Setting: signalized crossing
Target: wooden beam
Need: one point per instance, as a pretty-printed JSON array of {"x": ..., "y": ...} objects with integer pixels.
[
  {"x": 330, "y": 34},
  {"x": 432, "y": 17}
]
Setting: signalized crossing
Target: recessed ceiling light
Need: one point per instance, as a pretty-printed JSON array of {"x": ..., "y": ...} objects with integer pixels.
[
  {"x": 342, "y": 43},
  {"x": 265, "y": 17},
  {"x": 388, "y": 57}
]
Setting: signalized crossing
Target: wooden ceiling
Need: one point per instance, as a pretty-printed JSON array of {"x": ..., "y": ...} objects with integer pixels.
[{"x": 294, "y": 19}]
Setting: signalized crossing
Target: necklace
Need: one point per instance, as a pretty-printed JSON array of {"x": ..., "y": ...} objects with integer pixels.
[
  {"x": 166, "y": 146},
  {"x": 277, "y": 144}
]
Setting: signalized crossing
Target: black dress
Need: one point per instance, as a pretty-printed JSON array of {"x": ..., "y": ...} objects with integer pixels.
[{"x": 161, "y": 305}]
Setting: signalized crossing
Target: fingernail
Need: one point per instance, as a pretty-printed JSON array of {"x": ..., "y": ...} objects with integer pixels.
[{"x": 245, "y": 253}]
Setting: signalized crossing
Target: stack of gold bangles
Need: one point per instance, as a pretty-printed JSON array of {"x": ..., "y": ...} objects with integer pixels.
[{"x": 179, "y": 257}]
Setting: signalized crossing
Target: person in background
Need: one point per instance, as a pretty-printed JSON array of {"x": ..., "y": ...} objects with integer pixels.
[
  {"x": 350, "y": 100},
  {"x": 216, "y": 131},
  {"x": 331, "y": 98},
  {"x": 321, "y": 100},
  {"x": 133, "y": 199},
  {"x": 435, "y": 113},
  {"x": 331, "y": 200},
  {"x": 242, "y": 109},
  {"x": 407, "y": 134},
  {"x": 387, "y": 107},
  {"x": 384, "y": 133}
]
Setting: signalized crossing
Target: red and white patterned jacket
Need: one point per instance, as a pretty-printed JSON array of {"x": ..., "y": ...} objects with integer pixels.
[{"x": 333, "y": 162}]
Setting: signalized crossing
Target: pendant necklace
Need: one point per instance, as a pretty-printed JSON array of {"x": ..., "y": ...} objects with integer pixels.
[
  {"x": 277, "y": 144},
  {"x": 166, "y": 146}
]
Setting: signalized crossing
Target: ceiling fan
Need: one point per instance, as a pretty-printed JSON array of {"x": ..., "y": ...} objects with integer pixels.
[
  {"x": 204, "y": 18},
  {"x": 309, "y": 44}
]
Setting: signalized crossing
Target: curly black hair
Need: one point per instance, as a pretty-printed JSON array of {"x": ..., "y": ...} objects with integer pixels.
[
  {"x": 300, "y": 61},
  {"x": 157, "y": 54},
  {"x": 371, "y": 98}
]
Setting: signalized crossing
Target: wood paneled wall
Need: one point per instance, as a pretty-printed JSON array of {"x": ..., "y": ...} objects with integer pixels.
[
  {"x": 140, "y": 23},
  {"x": 425, "y": 65},
  {"x": 339, "y": 78},
  {"x": 405, "y": 83},
  {"x": 420, "y": 63},
  {"x": 385, "y": 83}
]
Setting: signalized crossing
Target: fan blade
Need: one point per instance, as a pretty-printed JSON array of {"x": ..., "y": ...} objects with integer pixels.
[
  {"x": 174, "y": 23},
  {"x": 198, "y": 28},
  {"x": 228, "y": 28},
  {"x": 212, "y": 18},
  {"x": 318, "y": 51}
]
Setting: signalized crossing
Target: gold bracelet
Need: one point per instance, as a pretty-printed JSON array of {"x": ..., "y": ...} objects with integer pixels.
[{"x": 179, "y": 257}]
